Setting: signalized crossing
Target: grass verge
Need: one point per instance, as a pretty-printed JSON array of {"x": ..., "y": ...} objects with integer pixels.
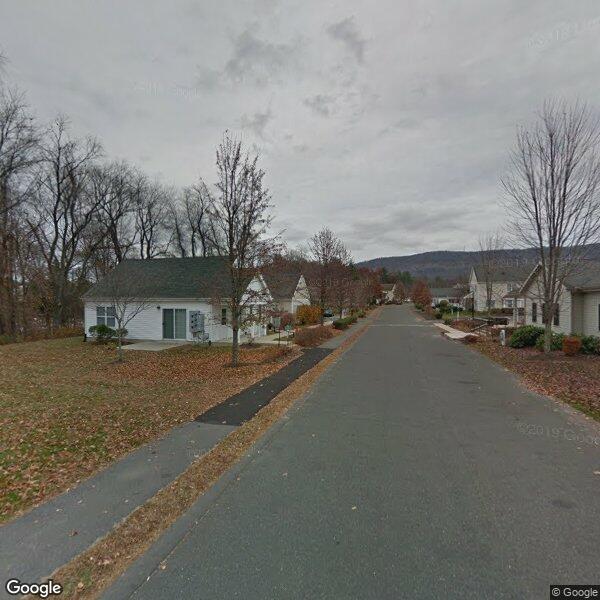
[
  {"x": 571, "y": 379},
  {"x": 91, "y": 572}
]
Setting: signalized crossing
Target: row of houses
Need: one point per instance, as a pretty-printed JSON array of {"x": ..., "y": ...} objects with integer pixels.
[
  {"x": 187, "y": 298},
  {"x": 520, "y": 288}
]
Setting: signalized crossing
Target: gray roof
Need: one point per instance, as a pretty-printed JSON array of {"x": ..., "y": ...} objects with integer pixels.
[
  {"x": 506, "y": 273},
  {"x": 197, "y": 277},
  {"x": 450, "y": 292},
  {"x": 587, "y": 276},
  {"x": 387, "y": 287},
  {"x": 282, "y": 285}
]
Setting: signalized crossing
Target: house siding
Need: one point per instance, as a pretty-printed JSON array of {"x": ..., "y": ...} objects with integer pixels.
[
  {"x": 591, "y": 300},
  {"x": 147, "y": 325},
  {"x": 565, "y": 309}
]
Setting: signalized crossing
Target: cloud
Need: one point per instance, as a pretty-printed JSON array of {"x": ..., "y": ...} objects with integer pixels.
[
  {"x": 346, "y": 32},
  {"x": 320, "y": 104},
  {"x": 257, "y": 61},
  {"x": 257, "y": 122}
]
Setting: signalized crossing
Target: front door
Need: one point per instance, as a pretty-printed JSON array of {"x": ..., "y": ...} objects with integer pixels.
[{"x": 173, "y": 323}]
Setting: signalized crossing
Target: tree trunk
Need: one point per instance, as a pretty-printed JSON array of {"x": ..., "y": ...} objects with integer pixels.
[
  {"x": 235, "y": 343},
  {"x": 120, "y": 348},
  {"x": 548, "y": 334}
]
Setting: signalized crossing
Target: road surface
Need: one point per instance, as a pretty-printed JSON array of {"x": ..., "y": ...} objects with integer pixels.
[{"x": 414, "y": 469}]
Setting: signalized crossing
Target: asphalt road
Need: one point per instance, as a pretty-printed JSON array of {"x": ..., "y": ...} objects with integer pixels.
[{"x": 414, "y": 469}]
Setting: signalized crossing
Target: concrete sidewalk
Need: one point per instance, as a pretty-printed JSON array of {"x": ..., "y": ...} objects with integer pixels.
[{"x": 48, "y": 536}]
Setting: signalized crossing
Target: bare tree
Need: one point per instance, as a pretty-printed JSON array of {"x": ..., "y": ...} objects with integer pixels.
[
  {"x": 152, "y": 203},
  {"x": 239, "y": 222},
  {"x": 189, "y": 222},
  {"x": 111, "y": 186},
  {"x": 328, "y": 252},
  {"x": 18, "y": 153},
  {"x": 490, "y": 260},
  {"x": 553, "y": 195},
  {"x": 124, "y": 296},
  {"x": 62, "y": 211}
]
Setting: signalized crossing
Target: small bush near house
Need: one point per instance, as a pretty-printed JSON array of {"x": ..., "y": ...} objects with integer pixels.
[
  {"x": 555, "y": 344},
  {"x": 447, "y": 319},
  {"x": 571, "y": 345},
  {"x": 287, "y": 319},
  {"x": 590, "y": 344},
  {"x": 102, "y": 333},
  {"x": 312, "y": 336},
  {"x": 308, "y": 315},
  {"x": 443, "y": 305},
  {"x": 438, "y": 314},
  {"x": 362, "y": 314},
  {"x": 5, "y": 339},
  {"x": 526, "y": 336}
]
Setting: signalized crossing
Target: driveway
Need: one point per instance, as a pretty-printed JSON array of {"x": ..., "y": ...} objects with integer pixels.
[{"x": 414, "y": 469}]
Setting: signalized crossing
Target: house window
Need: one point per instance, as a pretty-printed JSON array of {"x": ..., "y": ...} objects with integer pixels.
[
  {"x": 223, "y": 316},
  {"x": 534, "y": 313},
  {"x": 105, "y": 315}
]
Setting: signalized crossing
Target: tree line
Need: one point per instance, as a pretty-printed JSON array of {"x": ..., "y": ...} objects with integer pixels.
[{"x": 69, "y": 214}]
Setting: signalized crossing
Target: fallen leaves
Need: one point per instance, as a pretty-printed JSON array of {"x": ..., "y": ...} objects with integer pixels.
[
  {"x": 573, "y": 379},
  {"x": 67, "y": 408}
]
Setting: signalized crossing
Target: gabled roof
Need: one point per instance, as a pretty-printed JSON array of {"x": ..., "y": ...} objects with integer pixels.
[
  {"x": 282, "y": 285},
  {"x": 388, "y": 287},
  {"x": 585, "y": 277},
  {"x": 451, "y": 292},
  {"x": 192, "y": 277},
  {"x": 505, "y": 273}
]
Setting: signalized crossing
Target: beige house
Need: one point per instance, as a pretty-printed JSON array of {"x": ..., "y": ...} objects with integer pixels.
[
  {"x": 505, "y": 282},
  {"x": 289, "y": 290},
  {"x": 579, "y": 304}
]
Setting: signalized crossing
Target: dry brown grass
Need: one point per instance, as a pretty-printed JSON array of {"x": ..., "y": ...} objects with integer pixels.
[
  {"x": 68, "y": 409},
  {"x": 91, "y": 572}
]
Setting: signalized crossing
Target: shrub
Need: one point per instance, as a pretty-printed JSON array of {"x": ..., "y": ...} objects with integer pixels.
[
  {"x": 5, "y": 339},
  {"x": 362, "y": 314},
  {"x": 312, "y": 336},
  {"x": 590, "y": 344},
  {"x": 341, "y": 323},
  {"x": 438, "y": 314},
  {"x": 418, "y": 306},
  {"x": 447, "y": 319},
  {"x": 443, "y": 305},
  {"x": 287, "y": 319},
  {"x": 308, "y": 315},
  {"x": 526, "y": 336},
  {"x": 571, "y": 345},
  {"x": 102, "y": 333},
  {"x": 555, "y": 343}
]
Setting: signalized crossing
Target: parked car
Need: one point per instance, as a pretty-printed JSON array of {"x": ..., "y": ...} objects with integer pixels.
[{"x": 328, "y": 312}]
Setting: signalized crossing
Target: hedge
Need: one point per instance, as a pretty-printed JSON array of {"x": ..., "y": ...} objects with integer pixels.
[{"x": 526, "y": 336}]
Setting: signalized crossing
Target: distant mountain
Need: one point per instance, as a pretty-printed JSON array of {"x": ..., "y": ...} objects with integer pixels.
[{"x": 453, "y": 265}]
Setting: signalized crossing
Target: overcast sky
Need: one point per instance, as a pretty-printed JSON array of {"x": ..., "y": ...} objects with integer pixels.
[{"x": 388, "y": 121}]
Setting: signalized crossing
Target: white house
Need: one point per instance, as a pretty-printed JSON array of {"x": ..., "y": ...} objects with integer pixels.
[
  {"x": 388, "y": 290},
  {"x": 289, "y": 290},
  {"x": 180, "y": 299},
  {"x": 452, "y": 295},
  {"x": 505, "y": 282},
  {"x": 579, "y": 305}
]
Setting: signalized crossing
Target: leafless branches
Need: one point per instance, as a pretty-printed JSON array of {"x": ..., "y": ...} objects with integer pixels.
[{"x": 553, "y": 194}]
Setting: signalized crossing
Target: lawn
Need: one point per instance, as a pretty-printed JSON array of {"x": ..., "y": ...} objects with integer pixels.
[
  {"x": 67, "y": 408},
  {"x": 573, "y": 379}
]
